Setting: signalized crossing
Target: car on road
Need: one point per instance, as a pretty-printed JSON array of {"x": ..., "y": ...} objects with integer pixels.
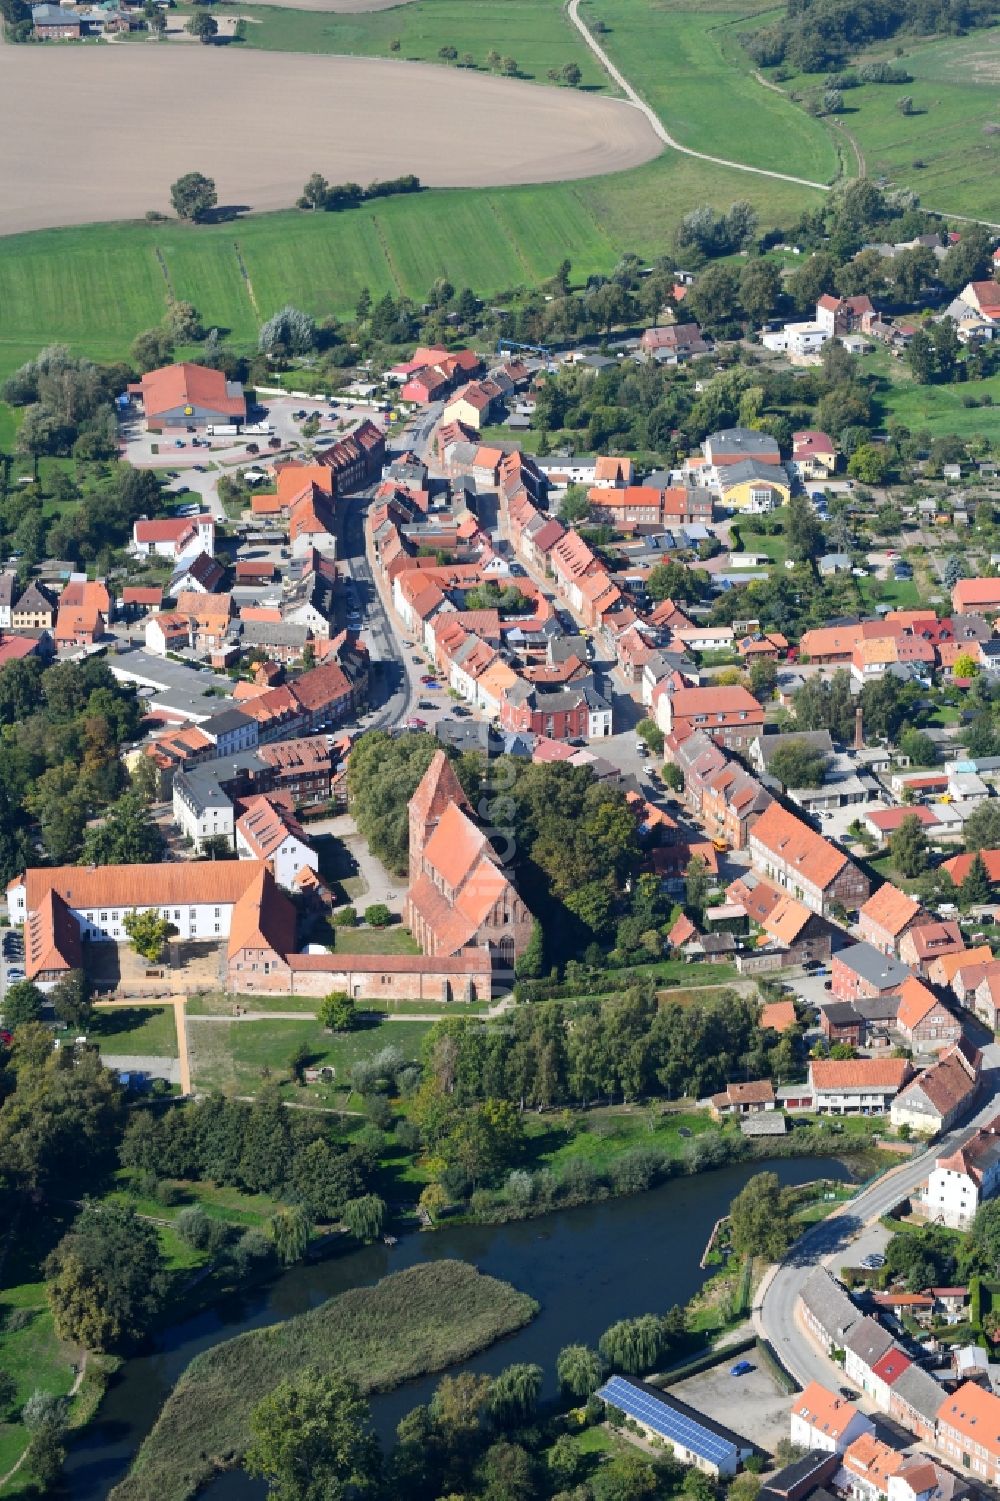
[
  {"x": 873, "y": 1262},
  {"x": 741, "y": 1368}
]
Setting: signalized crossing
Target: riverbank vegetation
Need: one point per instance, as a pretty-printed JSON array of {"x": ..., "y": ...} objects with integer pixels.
[{"x": 416, "y": 1321}]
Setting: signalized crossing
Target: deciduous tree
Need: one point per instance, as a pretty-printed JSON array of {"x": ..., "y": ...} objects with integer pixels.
[
  {"x": 311, "y": 1440},
  {"x": 194, "y": 195}
]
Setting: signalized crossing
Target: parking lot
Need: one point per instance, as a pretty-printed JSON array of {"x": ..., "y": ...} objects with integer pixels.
[
  {"x": 753, "y": 1405},
  {"x": 12, "y": 960}
]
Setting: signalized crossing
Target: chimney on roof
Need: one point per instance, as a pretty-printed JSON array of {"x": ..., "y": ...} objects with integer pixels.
[{"x": 859, "y": 728}]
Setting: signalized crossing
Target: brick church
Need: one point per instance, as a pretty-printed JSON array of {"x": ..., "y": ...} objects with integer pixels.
[{"x": 460, "y": 896}]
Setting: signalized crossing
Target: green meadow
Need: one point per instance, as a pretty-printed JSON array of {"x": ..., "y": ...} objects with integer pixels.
[
  {"x": 945, "y": 150},
  {"x": 687, "y": 62},
  {"x": 535, "y": 33},
  {"x": 96, "y": 287}
]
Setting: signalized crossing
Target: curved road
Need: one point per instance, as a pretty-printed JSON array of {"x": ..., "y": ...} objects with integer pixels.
[
  {"x": 657, "y": 123},
  {"x": 774, "y": 1313}
]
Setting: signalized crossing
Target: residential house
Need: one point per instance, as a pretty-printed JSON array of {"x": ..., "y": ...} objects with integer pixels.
[
  {"x": 869, "y": 1465},
  {"x": 886, "y": 916},
  {"x": 791, "y": 855},
  {"x": 744, "y": 1098},
  {"x": 53, "y": 23},
  {"x": 920, "y": 1479},
  {"x": 355, "y": 460},
  {"x": 925, "y": 941},
  {"x": 189, "y": 396},
  {"x": 673, "y": 343},
  {"x": 962, "y": 1180},
  {"x": 826, "y": 1309},
  {"x": 940, "y": 1095},
  {"x": 167, "y": 632},
  {"x": 976, "y": 596},
  {"x": 821, "y": 1420},
  {"x": 269, "y": 831},
  {"x": 866, "y": 1344},
  {"x": 863, "y": 970},
  {"x": 865, "y": 1086},
  {"x": 78, "y": 626},
  {"x": 914, "y": 1400},
  {"x": 924, "y": 1022},
  {"x": 843, "y": 315},
  {"x": 813, "y": 454},
  {"x": 174, "y": 537},
  {"x": 35, "y": 610},
  {"x": 730, "y": 716},
  {"x": 197, "y": 573},
  {"x": 969, "y": 1431}
]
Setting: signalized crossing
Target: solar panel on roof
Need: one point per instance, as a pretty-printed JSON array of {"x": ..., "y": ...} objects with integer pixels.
[{"x": 664, "y": 1420}]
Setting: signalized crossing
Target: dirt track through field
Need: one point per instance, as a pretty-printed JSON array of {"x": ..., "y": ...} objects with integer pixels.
[{"x": 123, "y": 122}]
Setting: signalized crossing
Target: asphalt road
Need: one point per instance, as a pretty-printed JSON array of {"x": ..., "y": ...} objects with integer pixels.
[{"x": 775, "y": 1311}]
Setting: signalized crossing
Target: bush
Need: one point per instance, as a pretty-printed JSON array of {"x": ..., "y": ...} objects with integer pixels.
[
  {"x": 378, "y": 915},
  {"x": 345, "y": 917}
]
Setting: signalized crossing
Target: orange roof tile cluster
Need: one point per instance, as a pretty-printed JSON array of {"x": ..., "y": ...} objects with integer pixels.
[
  {"x": 958, "y": 866},
  {"x": 915, "y": 1003},
  {"x": 797, "y": 846},
  {"x": 189, "y": 385},
  {"x": 823, "y": 1410},
  {"x": 786, "y": 920},
  {"x": 890, "y": 909},
  {"x": 859, "y": 1073},
  {"x": 873, "y": 1461},
  {"x": 262, "y": 918},
  {"x": 52, "y": 938},
  {"x": 778, "y": 1015},
  {"x": 266, "y": 824},
  {"x": 180, "y": 883},
  {"x": 974, "y": 1413}
]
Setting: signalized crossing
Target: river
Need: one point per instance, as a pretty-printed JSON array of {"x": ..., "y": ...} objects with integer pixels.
[{"x": 586, "y": 1267}]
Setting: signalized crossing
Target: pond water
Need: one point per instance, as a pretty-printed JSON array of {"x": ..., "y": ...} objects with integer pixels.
[{"x": 586, "y": 1267}]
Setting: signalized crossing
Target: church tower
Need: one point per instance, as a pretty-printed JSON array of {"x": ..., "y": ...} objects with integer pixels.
[{"x": 438, "y": 787}]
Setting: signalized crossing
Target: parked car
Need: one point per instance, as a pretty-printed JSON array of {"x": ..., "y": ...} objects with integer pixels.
[
  {"x": 741, "y": 1368},
  {"x": 873, "y": 1261},
  {"x": 413, "y": 723}
]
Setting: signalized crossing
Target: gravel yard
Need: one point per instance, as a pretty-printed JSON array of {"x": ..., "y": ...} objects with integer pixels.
[{"x": 754, "y": 1406}]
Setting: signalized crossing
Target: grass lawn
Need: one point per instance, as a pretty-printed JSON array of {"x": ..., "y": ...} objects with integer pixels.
[
  {"x": 227, "y": 1204},
  {"x": 135, "y": 1029},
  {"x": 688, "y": 64},
  {"x": 34, "y": 1356},
  {"x": 232, "y": 1056},
  {"x": 95, "y": 288},
  {"x": 392, "y": 940},
  {"x": 775, "y": 548},
  {"x": 885, "y": 868},
  {"x": 600, "y": 1136},
  {"x": 536, "y": 33}
]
